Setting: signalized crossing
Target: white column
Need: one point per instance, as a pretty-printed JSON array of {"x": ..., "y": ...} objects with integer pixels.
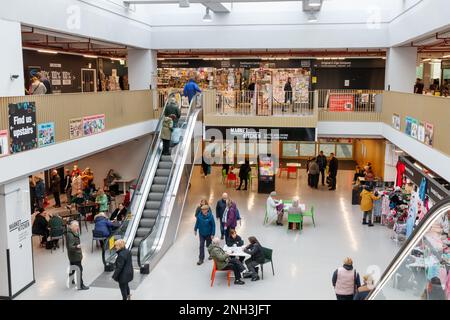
[
  {"x": 401, "y": 69},
  {"x": 16, "y": 256},
  {"x": 11, "y": 60},
  {"x": 142, "y": 69}
]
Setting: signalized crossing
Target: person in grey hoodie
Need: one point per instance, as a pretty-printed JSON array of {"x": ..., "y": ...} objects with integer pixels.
[{"x": 314, "y": 171}]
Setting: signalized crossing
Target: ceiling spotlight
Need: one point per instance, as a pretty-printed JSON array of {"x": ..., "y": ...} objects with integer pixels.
[
  {"x": 207, "y": 17},
  {"x": 184, "y": 4}
]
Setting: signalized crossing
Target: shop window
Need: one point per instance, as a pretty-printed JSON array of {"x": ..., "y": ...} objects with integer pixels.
[
  {"x": 327, "y": 148},
  {"x": 290, "y": 149},
  {"x": 344, "y": 151},
  {"x": 308, "y": 149}
]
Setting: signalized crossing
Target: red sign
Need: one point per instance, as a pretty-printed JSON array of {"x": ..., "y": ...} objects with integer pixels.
[{"x": 341, "y": 102}]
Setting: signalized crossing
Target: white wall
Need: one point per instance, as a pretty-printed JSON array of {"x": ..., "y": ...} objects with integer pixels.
[
  {"x": 348, "y": 129},
  {"x": 390, "y": 163},
  {"x": 142, "y": 69},
  {"x": 401, "y": 69},
  {"x": 11, "y": 61},
  {"x": 28, "y": 162},
  {"x": 15, "y": 208},
  {"x": 126, "y": 159}
]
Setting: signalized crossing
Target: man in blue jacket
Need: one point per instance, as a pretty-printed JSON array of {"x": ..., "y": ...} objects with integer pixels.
[
  {"x": 190, "y": 89},
  {"x": 206, "y": 227}
]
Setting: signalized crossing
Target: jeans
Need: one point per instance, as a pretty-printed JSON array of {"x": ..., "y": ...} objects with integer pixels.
[
  {"x": 236, "y": 266},
  {"x": 57, "y": 200},
  {"x": 77, "y": 263},
  {"x": 166, "y": 147},
  {"x": 240, "y": 183},
  {"x": 203, "y": 239},
  {"x": 367, "y": 214},
  {"x": 344, "y": 297},
  {"x": 322, "y": 172},
  {"x": 251, "y": 264},
  {"x": 222, "y": 229},
  {"x": 124, "y": 289}
]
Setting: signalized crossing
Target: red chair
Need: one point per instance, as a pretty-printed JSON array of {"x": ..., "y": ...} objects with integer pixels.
[
  {"x": 280, "y": 171},
  {"x": 232, "y": 177},
  {"x": 291, "y": 170},
  {"x": 213, "y": 274}
]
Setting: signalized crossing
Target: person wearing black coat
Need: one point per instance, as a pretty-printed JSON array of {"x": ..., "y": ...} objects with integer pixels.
[
  {"x": 55, "y": 184},
  {"x": 123, "y": 272},
  {"x": 254, "y": 249},
  {"x": 220, "y": 209},
  {"x": 40, "y": 226},
  {"x": 243, "y": 174},
  {"x": 322, "y": 162},
  {"x": 333, "y": 169},
  {"x": 119, "y": 214},
  {"x": 235, "y": 239}
]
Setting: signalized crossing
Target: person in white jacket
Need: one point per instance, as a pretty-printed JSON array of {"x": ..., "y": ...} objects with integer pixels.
[{"x": 274, "y": 209}]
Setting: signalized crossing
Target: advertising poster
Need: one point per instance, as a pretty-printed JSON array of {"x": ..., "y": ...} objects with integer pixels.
[
  {"x": 396, "y": 121},
  {"x": 429, "y": 131},
  {"x": 266, "y": 166},
  {"x": 66, "y": 78},
  {"x": 22, "y": 126},
  {"x": 414, "y": 128},
  {"x": 93, "y": 124},
  {"x": 55, "y": 77},
  {"x": 4, "y": 147},
  {"x": 408, "y": 127},
  {"x": 46, "y": 134},
  {"x": 421, "y": 133},
  {"x": 341, "y": 102},
  {"x": 75, "y": 128}
]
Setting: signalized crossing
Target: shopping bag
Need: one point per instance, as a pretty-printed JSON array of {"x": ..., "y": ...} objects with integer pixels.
[{"x": 176, "y": 136}]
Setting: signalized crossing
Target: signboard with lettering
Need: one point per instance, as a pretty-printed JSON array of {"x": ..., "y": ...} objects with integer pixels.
[
  {"x": 266, "y": 133},
  {"x": 22, "y": 126}
]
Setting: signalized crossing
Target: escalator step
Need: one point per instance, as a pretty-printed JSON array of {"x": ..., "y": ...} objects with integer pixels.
[
  {"x": 162, "y": 172},
  {"x": 142, "y": 232},
  {"x": 147, "y": 222},
  {"x": 155, "y": 196},
  {"x": 152, "y": 204},
  {"x": 134, "y": 252},
  {"x": 149, "y": 214},
  {"x": 160, "y": 180},
  {"x": 158, "y": 188},
  {"x": 166, "y": 158},
  {"x": 136, "y": 242},
  {"x": 165, "y": 165}
]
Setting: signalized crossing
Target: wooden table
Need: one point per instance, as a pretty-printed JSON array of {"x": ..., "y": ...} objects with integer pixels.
[
  {"x": 289, "y": 165},
  {"x": 124, "y": 182}
]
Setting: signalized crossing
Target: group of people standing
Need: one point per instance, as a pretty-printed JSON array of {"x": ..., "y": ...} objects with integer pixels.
[{"x": 317, "y": 166}]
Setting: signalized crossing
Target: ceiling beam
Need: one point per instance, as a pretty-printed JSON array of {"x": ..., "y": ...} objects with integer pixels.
[
  {"x": 128, "y": 2},
  {"x": 216, "y": 7}
]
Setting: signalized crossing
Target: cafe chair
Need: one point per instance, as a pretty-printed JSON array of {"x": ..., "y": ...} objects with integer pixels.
[
  {"x": 57, "y": 238},
  {"x": 213, "y": 274},
  {"x": 267, "y": 258},
  {"x": 96, "y": 237},
  {"x": 295, "y": 218},
  {"x": 310, "y": 213},
  {"x": 291, "y": 170},
  {"x": 230, "y": 178},
  {"x": 224, "y": 176}
]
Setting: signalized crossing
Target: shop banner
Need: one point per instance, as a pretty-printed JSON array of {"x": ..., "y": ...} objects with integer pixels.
[
  {"x": 341, "y": 102},
  {"x": 396, "y": 121},
  {"x": 75, "y": 128},
  {"x": 408, "y": 125},
  {"x": 4, "y": 147},
  {"x": 253, "y": 133},
  {"x": 414, "y": 128},
  {"x": 46, "y": 134},
  {"x": 93, "y": 124},
  {"x": 421, "y": 132},
  {"x": 429, "y": 134},
  {"x": 22, "y": 126}
]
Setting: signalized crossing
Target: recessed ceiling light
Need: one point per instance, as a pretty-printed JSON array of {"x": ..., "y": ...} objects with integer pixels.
[{"x": 48, "y": 51}]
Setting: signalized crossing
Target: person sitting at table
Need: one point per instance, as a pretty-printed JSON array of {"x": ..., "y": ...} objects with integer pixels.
[
  {"x": 274, "y": 209},
  {"x": 103, "y": 227},
  {"x": 119, "y": 214},
  {"x": 295, "y": 208},
  {"x": 235, "y": 240},
  {"x": 224, "y": 261},
  {"x": 198, "y": 210},
  {"x": 101, "y": 200},
  {"x": 40, "y": 226},
  {"x": 359, "y": 172},
  {"x": 56, "y": 226},
  {"x": 254, "y": 249}
]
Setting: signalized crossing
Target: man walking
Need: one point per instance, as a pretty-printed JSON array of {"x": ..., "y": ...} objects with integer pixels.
[
  {"x": 56, "y": 187},
  {"x": 322, "y": 162},
  {"x": 74, "y": 252},
  {"x": 287, "y": 93},
  {"x": 220, "y": 209},
  {"x": 206, "y": 227},
  {"x": 333, "y": 169},
  {"x": 190, "y": 89}
]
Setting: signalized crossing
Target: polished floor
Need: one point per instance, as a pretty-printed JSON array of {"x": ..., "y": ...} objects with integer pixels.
[{"x": 303, "y": 261}]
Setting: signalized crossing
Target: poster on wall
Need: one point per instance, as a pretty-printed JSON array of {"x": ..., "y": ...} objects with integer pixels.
[
  {"x": 75, "y": 128},
  {"x": 414, "y": 128},
  {"x": 341, "y": 102},
  {"x": 93, "y": 124},
  {"x": 55, "y": 78},
  {"x": 396, "y": 121},
  {"x": 421, "y": 132},
  {"x": 4, "y": 148},
  {"x": 66, "y": 78},
  {"x": 408, "y": 126},
  {"x": 429, "y": 132},
  {"x": 22, "y": 126},
  {"x": 46, "y": 134}
]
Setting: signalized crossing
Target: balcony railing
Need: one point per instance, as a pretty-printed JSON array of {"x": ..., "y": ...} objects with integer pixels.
[{"x": 347, "y": 100}]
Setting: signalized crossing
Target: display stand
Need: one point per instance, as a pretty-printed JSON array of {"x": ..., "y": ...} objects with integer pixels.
[{"x": 266, "y": 174}]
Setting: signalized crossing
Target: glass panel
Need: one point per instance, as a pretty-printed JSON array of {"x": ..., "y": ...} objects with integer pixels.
[
  {"x": 247, "y": 148},
  {"x": 328, "y": 148},
  {"x": 229, "y": 151},
  {"x": 344, "y": 151},
  {"x": 290, "y": 149},
  {"x": 423, "y": 273},
  {"x": 307, "y": 149}
]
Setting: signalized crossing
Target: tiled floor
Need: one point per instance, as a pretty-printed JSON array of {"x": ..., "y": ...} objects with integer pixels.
[{"x": 303, "y": 261}]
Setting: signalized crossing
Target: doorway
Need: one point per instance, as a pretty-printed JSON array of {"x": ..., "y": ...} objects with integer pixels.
[{"x": 88, "y": 80}]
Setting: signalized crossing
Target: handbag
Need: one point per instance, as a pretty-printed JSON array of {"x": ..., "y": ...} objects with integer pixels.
[{"x": 176, "y": 136}]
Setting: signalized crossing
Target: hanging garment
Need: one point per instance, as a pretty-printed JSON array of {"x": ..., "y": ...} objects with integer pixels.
[
  {"x": 400, "y": 172},
  {"x": 377, "y": 208},
  {"x": 423, "y": 189},
  {"x": 412, "y": 214}
]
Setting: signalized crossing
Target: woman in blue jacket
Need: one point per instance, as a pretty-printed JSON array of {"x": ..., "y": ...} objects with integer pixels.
[{"x": 206, "y": 227}]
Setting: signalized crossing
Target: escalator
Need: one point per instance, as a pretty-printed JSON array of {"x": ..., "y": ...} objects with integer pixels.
[
  {"x": 160, "y": 192},
  {"x": 421, "y": 269}
]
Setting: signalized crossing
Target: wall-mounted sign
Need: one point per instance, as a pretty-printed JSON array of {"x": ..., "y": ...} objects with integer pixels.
[
  {"x": 421, "y": 132},
  {"x": 266, "y": 133},
  {"x": 55, "y": 65},
  {"x": 335, "y": 64},
  {"x": 429, "y": 134},
  {"x": 46, "y": 134},
  {"x": 396, "y": 121},
  {"x": 66, "y": 78},
  {"x": 4, "y": 146},
  {"x": 93, "y": 124},
  {"x": 75, "y": 128},
  {"x": 341, "y": 102},
  {"x": 22, "y": 126}
]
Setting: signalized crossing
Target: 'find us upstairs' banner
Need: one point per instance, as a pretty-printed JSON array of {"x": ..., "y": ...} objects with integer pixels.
[{"x": 22, "y": 126}]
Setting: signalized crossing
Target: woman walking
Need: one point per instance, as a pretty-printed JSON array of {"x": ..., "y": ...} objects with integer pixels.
[{"x": 123, "y": 272}]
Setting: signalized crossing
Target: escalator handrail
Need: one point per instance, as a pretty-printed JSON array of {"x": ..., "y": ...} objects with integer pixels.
[
  {"x": 150, "y": 155},
  {"x": 417, "y": 235},
  {"x": 174, "y": 163}
]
